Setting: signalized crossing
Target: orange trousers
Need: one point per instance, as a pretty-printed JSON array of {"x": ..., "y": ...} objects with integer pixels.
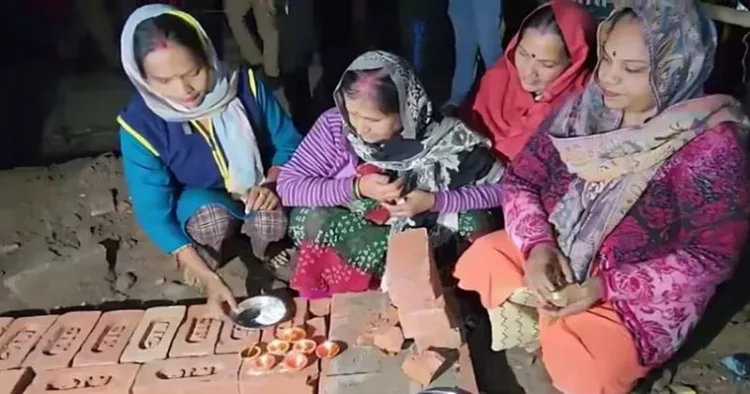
[{"x": 588, "y": 353}]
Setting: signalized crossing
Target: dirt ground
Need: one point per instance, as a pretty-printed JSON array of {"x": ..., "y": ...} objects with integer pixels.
[{"x": 68, "y": 239}]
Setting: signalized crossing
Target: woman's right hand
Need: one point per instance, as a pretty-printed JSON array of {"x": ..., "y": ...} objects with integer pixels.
[
  {"x": 547, "y": 270},
  {"x": 379, "y": 187},
  {"x": 219, "y": 297}
]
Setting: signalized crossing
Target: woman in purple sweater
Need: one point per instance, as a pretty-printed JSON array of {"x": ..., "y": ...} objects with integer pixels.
[{"x": 380, "y": 162}]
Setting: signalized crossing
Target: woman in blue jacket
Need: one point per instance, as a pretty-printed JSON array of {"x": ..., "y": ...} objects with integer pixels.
[{"x": 201, "y": 146}]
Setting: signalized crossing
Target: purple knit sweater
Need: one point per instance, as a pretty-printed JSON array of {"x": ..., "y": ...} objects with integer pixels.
[{"x": 321, "y": 174}]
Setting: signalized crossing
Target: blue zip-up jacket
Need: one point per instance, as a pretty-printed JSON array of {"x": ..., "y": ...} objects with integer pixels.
[{"x": 172, "y": 169}]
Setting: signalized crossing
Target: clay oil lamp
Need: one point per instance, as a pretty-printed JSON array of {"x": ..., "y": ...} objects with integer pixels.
[
  {"x": 295, "y": 361},
  {"x": 304, "y": 346},
  {"x": 292, "y": 334},
  {"x": 327, "y": 350},
  {"x": 251, "y": 352},
  {"x": 278, "y": 347},
  {"x": 264, "y": 363}
]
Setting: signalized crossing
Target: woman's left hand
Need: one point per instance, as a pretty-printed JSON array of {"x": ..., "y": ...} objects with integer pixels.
[
  {"x": 261, "y": 198},
  {"x": 414, "y": 203},
  {"x": 588, "y": 294}
]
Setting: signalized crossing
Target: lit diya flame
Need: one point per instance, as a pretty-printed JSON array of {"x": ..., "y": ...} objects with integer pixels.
[
  {"x": 264, "y": 363},
  {"x": 295, "y": 361},
  {"x": 305, "y": 346},
  {"x": 251, "y": 352},
  {"x": 327, "y": 349},
  {"x": 278, "y": 347},
  {"x": 292, "y": 334}
]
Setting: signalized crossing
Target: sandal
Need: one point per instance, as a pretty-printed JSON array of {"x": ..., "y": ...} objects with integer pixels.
[
  {"x": 282, "y": 264},
  {"x": 280, "y": 261}
]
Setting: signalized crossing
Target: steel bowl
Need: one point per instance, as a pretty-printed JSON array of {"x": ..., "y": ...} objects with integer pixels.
[{"x": 261, "y": 311}]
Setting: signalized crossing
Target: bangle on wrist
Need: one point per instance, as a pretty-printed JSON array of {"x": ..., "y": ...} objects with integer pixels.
[{"x": 357, "y": 192}]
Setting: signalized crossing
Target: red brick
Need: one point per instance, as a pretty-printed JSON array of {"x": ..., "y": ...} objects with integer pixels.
[
  {"x": 15, "y": 381},
  {"x": 425, "y": 322},
  {"x": 444, "y": 339},
  {"x": 317, "y": 329},
  {"x": 423, "y": 367},
  {"x": 268, "y": 334},
  {"x": 234, "y": 338},
  {"x": 154, "y": 334},
  {"x": 391, "y": 316},
  {"x": 320, "y": 307},
  {"x": 278, "y": 381},
  {"x": 413, "y": 278},
  {"x": 299, "y": 316},
  {"x": 389, "y": 339},
  {"x": 5, "y": 323},
  {"x": 466, "y": 368},
  {"x": 277, "y": 384},
  {"x": 365, "y": 339},
  {"x": 391, "y": 381},
  {"x": 197, "y": 335},
  {"x": 365, "y": 309},
  {"x": 108, "y": 339},
  {"x": 351, "y": 315},
  {"x": 102, "y": 379},
  {"x": 20, "y": 338},
  {"x": 62, "y": 341},
  {"x": 189, "y": 375}
]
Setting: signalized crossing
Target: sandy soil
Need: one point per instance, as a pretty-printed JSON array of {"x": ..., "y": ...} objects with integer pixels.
[{"x": 68, "y": 238}]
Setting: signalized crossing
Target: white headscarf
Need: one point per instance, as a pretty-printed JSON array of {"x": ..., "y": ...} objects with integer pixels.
[{"x": 221, "y": 104}]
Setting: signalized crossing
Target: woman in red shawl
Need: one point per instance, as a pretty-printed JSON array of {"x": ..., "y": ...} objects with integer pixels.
[{"x": 548, "y": 59}]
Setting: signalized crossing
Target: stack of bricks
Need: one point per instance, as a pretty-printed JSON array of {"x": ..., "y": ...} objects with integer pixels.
[
  {"x": 427, "y": 313},
  {"x": 160, "y": 350},
  {"x": 365, "y": 369}
]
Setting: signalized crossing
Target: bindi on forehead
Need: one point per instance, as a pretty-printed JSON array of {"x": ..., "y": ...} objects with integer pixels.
[{"x": 541, "y": 46}]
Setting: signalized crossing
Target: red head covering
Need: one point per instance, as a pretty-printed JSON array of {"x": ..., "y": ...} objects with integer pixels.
[{"x": 507, "y": 113}]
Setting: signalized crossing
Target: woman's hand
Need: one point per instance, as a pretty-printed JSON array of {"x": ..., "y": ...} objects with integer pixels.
[
  {"x": 261, "y": 198},
  {"x": 413, "y": 204},
  {"x": 579, "y": 298},
  {"x": 219, "y": 297},
  {"x": 379, "y": 187},
  {"x": 547, "y": 270}
]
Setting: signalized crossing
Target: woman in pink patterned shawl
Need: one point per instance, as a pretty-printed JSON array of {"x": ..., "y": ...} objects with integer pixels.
[{"x": 625, "y": 212}]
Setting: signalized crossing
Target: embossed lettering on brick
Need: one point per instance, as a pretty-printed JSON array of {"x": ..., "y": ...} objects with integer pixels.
[
  {"x": 109, "y": 338},
  {"x": 21, "y": 337},
  {"x": 154, "y": 334},
  {"x": 104, "y": 379},
  {"x": 189, "y": 375},
  {"x": 62, "y": 341},
  {"x": 234, "y": 338},
  {"x": 197, "y": 336}
]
